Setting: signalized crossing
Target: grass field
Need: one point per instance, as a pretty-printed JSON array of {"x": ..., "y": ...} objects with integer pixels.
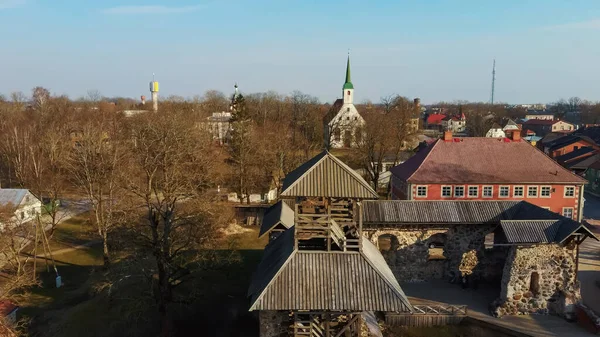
[{"x": 77, "y": 309}]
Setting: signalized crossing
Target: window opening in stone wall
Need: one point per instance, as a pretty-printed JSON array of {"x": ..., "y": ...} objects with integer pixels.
[
  {"x": 534, "y": 283},
  {"x": 387, "y": 244},
  {"x": 436, "y": 244}
]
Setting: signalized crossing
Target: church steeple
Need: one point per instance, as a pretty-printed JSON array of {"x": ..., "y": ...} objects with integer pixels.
[
  {"x": 348, "y": 88},
  {"x": 348, "y": 83}
]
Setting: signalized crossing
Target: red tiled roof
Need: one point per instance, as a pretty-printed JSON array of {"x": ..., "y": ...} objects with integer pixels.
[
  {"x": 6, "y": 307},
  {"x": 435, "y": 119},
  {"x": 483, "y": 160}
]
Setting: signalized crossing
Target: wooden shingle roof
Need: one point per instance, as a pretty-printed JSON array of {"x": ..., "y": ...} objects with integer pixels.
[
  {"x": 318, "y": 280},
  {"x": 326, "y": 176}
]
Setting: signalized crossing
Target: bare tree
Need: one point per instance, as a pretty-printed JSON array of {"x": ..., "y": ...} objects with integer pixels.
[
  {"x": 94, "y": 167},
  {"x": 40, "y": 96},
  {"x": 169, "y": 168}
]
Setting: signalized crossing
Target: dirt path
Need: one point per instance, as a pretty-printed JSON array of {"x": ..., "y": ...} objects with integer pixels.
[{"x": 78, "y": 247}]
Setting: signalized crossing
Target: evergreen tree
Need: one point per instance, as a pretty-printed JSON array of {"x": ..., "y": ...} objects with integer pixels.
[{"x": 240, "y": 146}]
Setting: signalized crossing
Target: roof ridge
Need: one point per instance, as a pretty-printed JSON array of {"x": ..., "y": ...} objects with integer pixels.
[
  {"x": 424, "y": 159},
  {"x": 349, "y": 170},
  {"x": 307, "y": 171}
]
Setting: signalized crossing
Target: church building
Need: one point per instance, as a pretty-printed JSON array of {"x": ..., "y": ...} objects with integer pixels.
[{"x": 342, "y": 123}]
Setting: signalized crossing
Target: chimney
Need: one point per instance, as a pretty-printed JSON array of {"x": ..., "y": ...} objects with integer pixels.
[
  {"x": 143, "y": 100},
  {"x": 447, "y": 136},
  {"x": 417, "y": 102},
  {"x": 516, "y": 135}
]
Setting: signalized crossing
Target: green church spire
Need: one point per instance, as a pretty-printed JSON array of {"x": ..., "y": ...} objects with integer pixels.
[{"x": 348, "y": 83}]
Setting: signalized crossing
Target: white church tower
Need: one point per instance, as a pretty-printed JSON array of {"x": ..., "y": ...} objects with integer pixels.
[{"x": 342, "y": 122}]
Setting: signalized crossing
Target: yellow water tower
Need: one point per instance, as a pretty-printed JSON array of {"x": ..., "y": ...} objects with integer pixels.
[{"x": 154, "y": 92}]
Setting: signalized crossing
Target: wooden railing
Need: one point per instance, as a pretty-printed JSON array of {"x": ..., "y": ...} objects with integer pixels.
[
  {"x": 428, "y": 315},
  {"x": 440, "y": 310},
  {"x": 310, "y": 226}
]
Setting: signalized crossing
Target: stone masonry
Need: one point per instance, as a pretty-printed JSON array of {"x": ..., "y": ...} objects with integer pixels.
[
  {"x": 274, "y": 323},
  {"x": 539, "y": 279},
  {"x": 409, "y": 257}
]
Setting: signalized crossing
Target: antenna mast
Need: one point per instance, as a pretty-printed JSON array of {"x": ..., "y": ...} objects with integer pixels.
[{"x": 493, "y": 81}]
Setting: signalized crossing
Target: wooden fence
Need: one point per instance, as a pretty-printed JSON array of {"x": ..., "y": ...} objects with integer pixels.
[{"x": 428, "y": 315}]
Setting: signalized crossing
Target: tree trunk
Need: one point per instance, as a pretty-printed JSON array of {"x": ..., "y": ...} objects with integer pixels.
[
  {"x": 105, "y": 254},
  {"x": 164, "y": 297}
]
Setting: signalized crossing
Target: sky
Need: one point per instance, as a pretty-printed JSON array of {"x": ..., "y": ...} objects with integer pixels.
[{"x": 438, "y": 50}]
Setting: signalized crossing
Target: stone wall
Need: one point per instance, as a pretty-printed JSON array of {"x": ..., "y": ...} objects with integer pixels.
[
  {"x": 274, "y": 323},
  {"x": 554, "y": 288},
  {"x": 409, "y": 256}
]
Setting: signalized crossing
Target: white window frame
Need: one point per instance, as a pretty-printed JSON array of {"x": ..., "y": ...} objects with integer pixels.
[
  {"x": 565, "y": 192},
  {"x": 463, "y": 189},
  {"x": 549, "y": 191},
  {"x": 442, "y": 191},
  {"x": 469, "y": 191},
  {"x": 515, "y": 191},
  {"x": 483, "y": 191},
  {"x": 417, "y": 191},
  {"x": 500, "y": 191},
  {"x": 572, "y": 212},
  {"x": 537, "y": 191}
]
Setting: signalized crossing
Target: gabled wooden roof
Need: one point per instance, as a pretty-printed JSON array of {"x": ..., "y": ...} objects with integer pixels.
[
  {"x": 288, "y": 279},
  {"x": 278, "y": 214},
  {"x": 326, "y": 176}
]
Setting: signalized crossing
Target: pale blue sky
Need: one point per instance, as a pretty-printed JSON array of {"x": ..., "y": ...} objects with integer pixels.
[{"x": 434, "y": 49}]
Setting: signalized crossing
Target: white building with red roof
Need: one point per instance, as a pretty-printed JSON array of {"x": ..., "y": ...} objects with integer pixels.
[{"x": 488, "y": 169}]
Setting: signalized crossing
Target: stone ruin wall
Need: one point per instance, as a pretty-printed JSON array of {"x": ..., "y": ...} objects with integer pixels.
[
  {"x": 557, "y": 288},
  {"x": 409, "y": 260},
  {"x": 274, "y": 323}
]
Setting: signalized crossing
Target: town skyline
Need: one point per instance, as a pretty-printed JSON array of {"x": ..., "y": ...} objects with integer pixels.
[{"x": 439, "y": 51}]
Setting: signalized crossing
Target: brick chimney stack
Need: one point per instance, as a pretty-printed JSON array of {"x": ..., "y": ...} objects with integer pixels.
[
  {"x": 447, "y": 136},
  {"x": 417, "y": 102},
  {"x": 516, "y": 135}
]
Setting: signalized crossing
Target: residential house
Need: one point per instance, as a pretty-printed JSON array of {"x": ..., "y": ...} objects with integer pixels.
[
  {"x": 341, "y": 125},
  {"x": 576, "y": 156},
  {"x": 22, "y": 206},
  {"x": 567, "y": 144},
  {"x": 495, "y": 132},
  {"x": 539, "y": 115},
  {"x": 456, "y": 124},
  {"x": 592, "y": 175},
  {"x": 510, "y": 127},
  {"x": 542, "y": 127},
  {"x": 480, "y": 168}
]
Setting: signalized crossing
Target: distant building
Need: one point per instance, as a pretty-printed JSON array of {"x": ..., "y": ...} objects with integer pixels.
[
  {"x": 495, "y": 132},
  {"x": 537, "y": 114},
  {"x": 19, "y": 206},
  {"x": 455, "y": 124},
  {"x": 219, "y": 126},
  {"x": 542, "y": 127},
  {"x": 341, "y": 125},
  {"x": 477, "y": 168}
]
